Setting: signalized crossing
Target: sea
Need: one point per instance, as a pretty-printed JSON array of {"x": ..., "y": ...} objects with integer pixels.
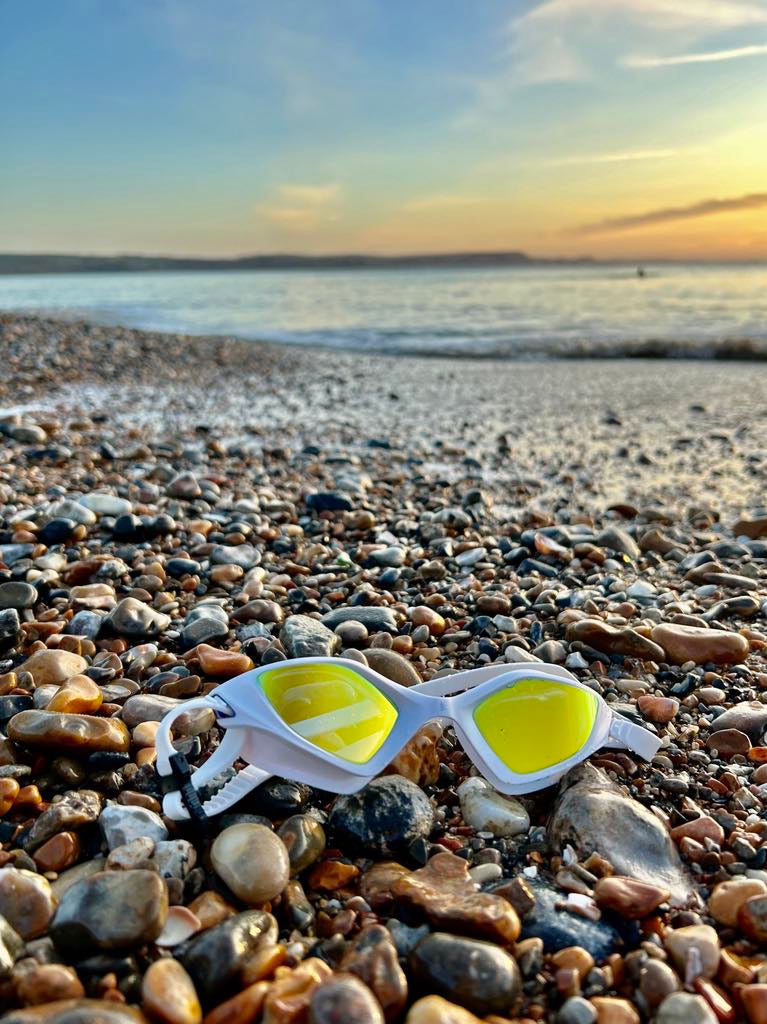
[{"x": 704, "y": 311}]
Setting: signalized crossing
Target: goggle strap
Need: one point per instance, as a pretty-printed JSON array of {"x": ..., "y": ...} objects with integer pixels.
[{"x": 624, "y": 733}]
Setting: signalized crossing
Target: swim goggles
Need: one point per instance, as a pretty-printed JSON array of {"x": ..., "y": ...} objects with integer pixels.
[{"x": 335, "y": 724}]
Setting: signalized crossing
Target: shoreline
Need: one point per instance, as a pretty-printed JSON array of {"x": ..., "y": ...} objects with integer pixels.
[{"x": 175, "y": 511}]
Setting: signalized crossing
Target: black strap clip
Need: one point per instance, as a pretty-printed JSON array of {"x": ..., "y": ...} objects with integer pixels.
[{"x": 182, "y": 773}]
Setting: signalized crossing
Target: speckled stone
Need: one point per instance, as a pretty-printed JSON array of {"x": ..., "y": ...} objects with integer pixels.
[
  {"x": 384, "y": 817},
  {"x": 121, "y": 823},
  {"x": 111, "y": 910}
]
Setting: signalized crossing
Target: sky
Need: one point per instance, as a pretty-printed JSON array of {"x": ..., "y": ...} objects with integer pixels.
[{"x": 613, "y": 128}]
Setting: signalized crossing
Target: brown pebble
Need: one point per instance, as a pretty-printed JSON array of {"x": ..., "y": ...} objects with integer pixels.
[
  {"x": 728, "y": 742},
  {"x": 26, "y": 901},
  {"x": 53, "y": 666},
  {"x": 79, "y": 695},
  {"x": 59, "y": 852},
  {"x": 728, "y": 897},
  {"x": 752, "y": 918},
  {"x": 221, "y": 664},
  {"x": 436, "y": 1010},
  {"x": 658, "y": 709},
  {"x": 46, "y": 983},
  {"x": 244, "y": 1008},
  {"x": 691, "y": 643},
  {"x": 168, "y": 994},
  {"x": 53, "y": 730},
  {"x": 629, "y": 897},
  {"x": 9, "y": 790}
]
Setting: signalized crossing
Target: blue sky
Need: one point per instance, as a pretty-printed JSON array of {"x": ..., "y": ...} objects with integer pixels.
[{"x": 561, "y": 126}]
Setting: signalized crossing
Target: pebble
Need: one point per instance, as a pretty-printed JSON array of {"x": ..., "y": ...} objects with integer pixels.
[
  {"x": 384, "y": 817},
  {"x": 75, "y": 809},
  {"x": 373, "y": 958},
  {"x": 222, "y": 664},
  {"x": 217, "y": 958},
  {"x": 133, "y": 618},
  {"x": 252, "y": 861},
  {"x": 79, "y": 695},
  {"x": 694, "y": 948},
  {"x": 593, "y": 813},
  {"x": 373, "y": 618},
  {"x": 179, "y": 926},
  {"x": 436, "y": 1010},
  {"x": 477, "y": 975},
  {"x": 59, "y": 852},
  {"x": 487, "y": 810},
  {"x": 754, "y": 999},
  {"x": 52, "y": 730},
  {"x": 752, "y": 918},
  {"x": 444, "y": 892},
  {"x": 111, "y": 910},
  {"x": 614, "y": 1011},
  {"x": 692, "y": 643},
  {"x": 47, "y": 983},
  {"x": 17, "y": 595},
  {"x": 418, "y": 761},
  {"x": 614, "y": 640},
  {"x": 26, "y": 901},
  {"x": 728, "y": 742},
  {"x": 658, "y": 709},
  {"x": 685, "y": 1008},
  {"x": 53, "y": 667},
  {"x": 656, "y": 982},
  {"x": 728, "y": 897},
  {"x": 547, "y": 923},
  {"x": 305, "y": 637},
  {"x": 77, "y": 1011},
  {"x": 343, "y": 998},
  {"x": 120, "y": 824},
  {"x": 304, "y": 839},
  {"x": 749, "y": 717},
  {"x": 629, "y": 897},
  {"x": 393, "y": 666},
  {"x": 168, "y": 994}
]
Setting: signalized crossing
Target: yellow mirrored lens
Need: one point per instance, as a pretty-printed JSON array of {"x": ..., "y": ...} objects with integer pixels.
[
  {"x": 332, "y": 707},
  {"x": 535, "y": 723}
]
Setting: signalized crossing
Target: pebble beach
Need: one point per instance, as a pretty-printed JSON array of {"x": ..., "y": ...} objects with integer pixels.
[{"x": 176, "y": 510}]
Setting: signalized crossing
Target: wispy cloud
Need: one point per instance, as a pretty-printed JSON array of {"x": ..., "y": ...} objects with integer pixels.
[
  {"x": 621, "y": 157},
  {"x": 705, "y": 208},
  {"x": 439, "y": 201},
  {"x": 757, "y": 50},
  {"x": 559, "y": 41},
  {"x": 302, "y": 208}
]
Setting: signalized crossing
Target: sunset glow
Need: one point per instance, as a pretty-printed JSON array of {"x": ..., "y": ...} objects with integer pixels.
[{"x": 611, "y": 128}]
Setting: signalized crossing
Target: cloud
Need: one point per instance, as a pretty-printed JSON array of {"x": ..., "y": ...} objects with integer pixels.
[
  {"x": 560, "y": 41},
  {"x": 757, "y": 50},
  {"x": 439, "y": 201},
  {"x": 310, "y": 195},
  {"x": 302, "y": 208},
  {"x": 705, "y": 208},
  {"x": 622, "y": 157}
]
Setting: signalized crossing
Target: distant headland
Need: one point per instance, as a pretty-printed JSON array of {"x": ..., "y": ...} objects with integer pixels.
[{"x": 43, "y": 263}]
